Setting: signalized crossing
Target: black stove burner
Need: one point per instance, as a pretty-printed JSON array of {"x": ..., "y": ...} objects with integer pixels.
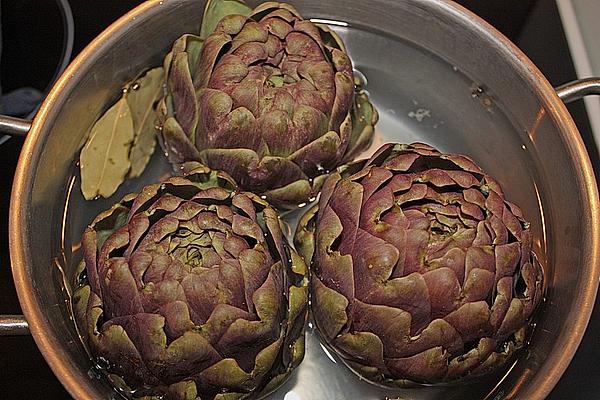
[{"x": 534, "y": 25}]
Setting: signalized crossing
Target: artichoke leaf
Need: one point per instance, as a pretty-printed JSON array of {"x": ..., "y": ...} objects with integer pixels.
[
  {"x": 430, "y": 365},
  {"x": 298, "y": 351},
  {"x": 273, "y": 384},
  {"x": 81, "y": 300},
  {"x": 193, "y": 49},
  {"x": 364, "y": 118},
  {"x": 304, "y": 236},
  {"x": 216, "y": 10},
  {"x": 299, "y": 267},
  {"x": 189, "y": 44},
  {"x": 364, "y": 346},
  {"x": 104, "y": 160},
  {"x": 178, "y": 146},
  {"x": 141, "y": 97},
  {"x": 266, "y": 358},
  {"x": 230, "y": 396},
  {"x": 227, "y": 373},
  {"x": 184, "y": 390},
  {"x": 331, "y": 39},
  {"x": 107, "y": 222},
  {"x": 292, "y": 193},
  {"x": 298, "y": 300},
  {"x": 329, "y": 309}
]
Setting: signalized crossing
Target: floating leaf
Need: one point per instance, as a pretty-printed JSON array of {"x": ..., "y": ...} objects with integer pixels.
[
  {"x": 141, "y": 97},
  {"x": 104, "y": 160},
  {"x": 217, "y": 9}
]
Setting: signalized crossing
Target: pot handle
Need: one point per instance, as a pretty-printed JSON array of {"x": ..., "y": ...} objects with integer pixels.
[
  {"x": 578, "y": 89},
  {"x": 14, "y": 126},
  {"x": 13, "y": 325},
  {"x": 19, "y": 127}
]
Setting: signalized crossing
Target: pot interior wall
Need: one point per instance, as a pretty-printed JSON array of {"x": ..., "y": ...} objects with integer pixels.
[{"x": 434, "y": 76}]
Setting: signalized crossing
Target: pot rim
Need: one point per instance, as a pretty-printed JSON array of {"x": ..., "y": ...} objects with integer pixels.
[{"x": 77, "y": 383}]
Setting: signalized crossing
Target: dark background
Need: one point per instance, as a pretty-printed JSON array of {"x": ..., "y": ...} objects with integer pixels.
[{"x": 31, "y": 46}]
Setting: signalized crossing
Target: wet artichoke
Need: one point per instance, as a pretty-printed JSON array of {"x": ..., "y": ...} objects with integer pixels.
[
  {"x": 270, "y": 99},
  {"x": 192, "y": 292},
  {"x": 422, "y": 271}
]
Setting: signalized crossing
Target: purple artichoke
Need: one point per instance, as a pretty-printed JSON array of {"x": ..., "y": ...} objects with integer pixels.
[
  {"x": 270, "y": 99},
  {"x": 422, "y": 271},
  {"x": 192, "y": 291}
]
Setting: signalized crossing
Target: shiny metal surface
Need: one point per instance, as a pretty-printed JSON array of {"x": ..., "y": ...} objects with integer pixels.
[
  {"x": 14, "y": 126},
  {"x": 13, "y": 325},
  {"x": 437, "y": 74},
  {"x": 576, "y": 90}
]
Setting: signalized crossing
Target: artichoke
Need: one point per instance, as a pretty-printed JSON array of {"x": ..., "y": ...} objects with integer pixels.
[
  {"x": 270, "y": 99},
  {"x": 422, "y": 271},
  {"x": 192, "y": 292}
]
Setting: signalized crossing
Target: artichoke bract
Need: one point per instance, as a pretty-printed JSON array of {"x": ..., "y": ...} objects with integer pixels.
[
  {"x": 191, "y": 291},
  {"x": 422, "y": 271},
  {"x": 270, "y": 99}
]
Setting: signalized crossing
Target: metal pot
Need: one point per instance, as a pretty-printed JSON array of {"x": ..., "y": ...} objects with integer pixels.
[{"x": 437, "y": 73}]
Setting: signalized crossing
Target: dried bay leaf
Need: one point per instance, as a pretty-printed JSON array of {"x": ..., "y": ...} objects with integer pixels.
[
  {"x": 141, "y": 97},
  {"x": 123, "y": 140},
  {"x": 104, "y": 160},
  {"x": 217, "y": 9}
]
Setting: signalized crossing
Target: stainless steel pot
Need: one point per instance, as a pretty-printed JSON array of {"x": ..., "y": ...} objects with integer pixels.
[{"x": 437, "y": 73}]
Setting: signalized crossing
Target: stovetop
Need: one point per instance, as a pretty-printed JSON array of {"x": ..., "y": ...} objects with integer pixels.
[{"x": 29, "y": 57}]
